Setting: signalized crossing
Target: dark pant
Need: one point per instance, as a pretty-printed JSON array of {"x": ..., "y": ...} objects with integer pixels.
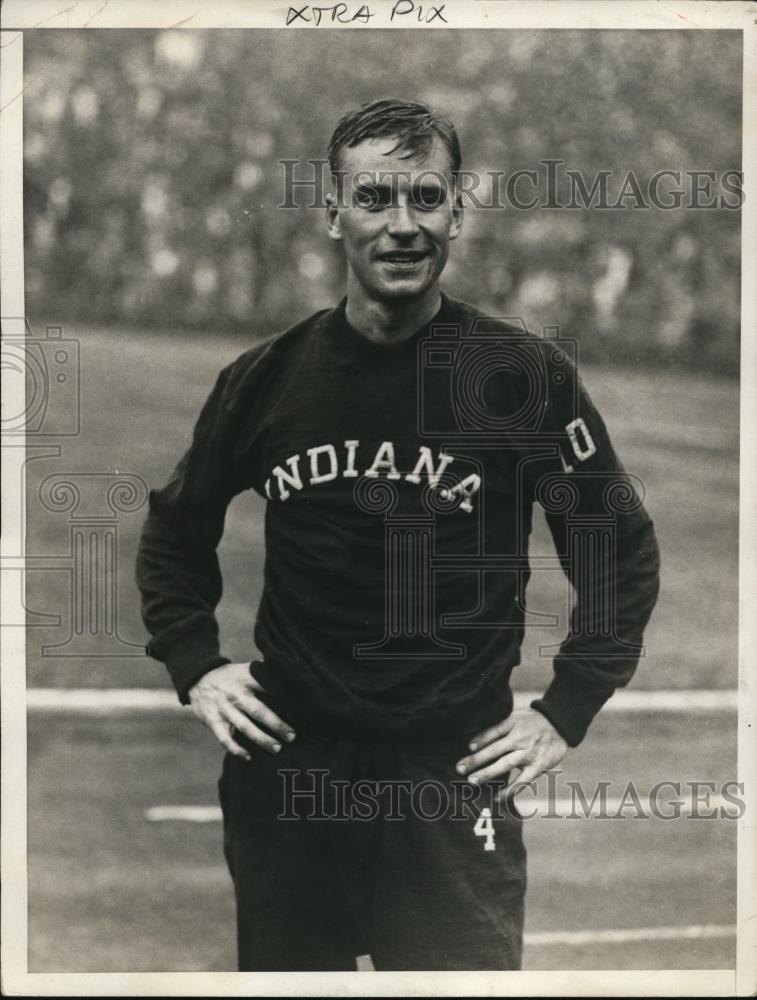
[{"x": 339, "y": 848}]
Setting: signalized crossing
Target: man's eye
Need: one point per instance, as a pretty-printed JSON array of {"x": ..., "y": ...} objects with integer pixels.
[{"x": 370, "y": 198}]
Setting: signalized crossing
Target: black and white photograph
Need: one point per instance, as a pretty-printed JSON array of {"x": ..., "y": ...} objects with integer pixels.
[{"x": 378, "y": 549}]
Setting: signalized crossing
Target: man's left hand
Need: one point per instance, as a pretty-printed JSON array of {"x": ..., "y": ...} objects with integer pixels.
[{"x": 525, "y": 741}]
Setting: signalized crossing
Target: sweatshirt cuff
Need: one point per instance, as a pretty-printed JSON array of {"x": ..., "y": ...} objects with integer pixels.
[
  {"x": 570, "y": 703},
  {"x": 190, "y": 660}
]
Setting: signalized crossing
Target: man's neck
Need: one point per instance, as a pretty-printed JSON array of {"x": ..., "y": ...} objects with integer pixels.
[{"x": 390, "y": 322}]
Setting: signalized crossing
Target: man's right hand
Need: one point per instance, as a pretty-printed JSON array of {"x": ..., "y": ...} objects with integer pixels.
[{"x": 225, "y": 699}]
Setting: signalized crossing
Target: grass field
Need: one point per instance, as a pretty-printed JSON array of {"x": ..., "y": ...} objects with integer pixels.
[{"x": 110, "y": 890}]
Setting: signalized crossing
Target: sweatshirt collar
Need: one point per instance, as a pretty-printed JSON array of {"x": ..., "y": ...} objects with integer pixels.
[{"x": 353, "y": 343}]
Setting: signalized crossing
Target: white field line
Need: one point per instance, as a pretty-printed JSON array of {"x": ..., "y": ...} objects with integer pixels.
[
  {"x": 103, "y": 701},
  {"x": 563, "y": 807},
  {"x": 692, "y": 932},
  {"x": 548, "y": 939},
  {"x": 185, "y": 814}
]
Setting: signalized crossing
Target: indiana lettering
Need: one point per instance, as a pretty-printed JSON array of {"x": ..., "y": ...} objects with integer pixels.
[{"x": 324, "y": 463}]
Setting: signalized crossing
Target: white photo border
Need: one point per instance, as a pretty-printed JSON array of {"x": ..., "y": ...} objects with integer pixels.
[{"x": 20, "y": 15}]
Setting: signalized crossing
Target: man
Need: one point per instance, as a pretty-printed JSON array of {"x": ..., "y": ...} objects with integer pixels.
[{"x": 400, "y": 440}]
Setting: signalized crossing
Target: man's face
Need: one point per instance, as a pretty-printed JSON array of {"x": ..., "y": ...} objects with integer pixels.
[{"x": 395, "y": 216}]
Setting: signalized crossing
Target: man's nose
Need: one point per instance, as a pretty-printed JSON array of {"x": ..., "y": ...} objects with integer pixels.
[{"x": 402, "y": 222}]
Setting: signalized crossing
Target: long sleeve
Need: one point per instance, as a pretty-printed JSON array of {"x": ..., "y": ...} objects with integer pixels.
[
  {"x": 607, "y": 547},
  {"x": 178, "y": 572}
]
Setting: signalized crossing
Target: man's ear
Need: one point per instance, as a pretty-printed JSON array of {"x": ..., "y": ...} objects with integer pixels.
[
  {"x": 456, "y": 219},
  {"x": 333, "y": 224}
]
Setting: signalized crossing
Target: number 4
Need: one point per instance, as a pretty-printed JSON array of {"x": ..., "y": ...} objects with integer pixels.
[{"x": 485, "y": 828}]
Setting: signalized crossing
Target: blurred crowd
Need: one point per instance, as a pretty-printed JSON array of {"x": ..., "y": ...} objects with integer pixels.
[{"x": 153, "y": 181}]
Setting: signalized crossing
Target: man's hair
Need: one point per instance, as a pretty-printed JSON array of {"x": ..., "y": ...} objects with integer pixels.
[{"x": 414, "y": 125}]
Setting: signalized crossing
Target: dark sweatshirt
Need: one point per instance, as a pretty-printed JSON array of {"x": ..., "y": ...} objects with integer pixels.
[{"x": 400, "y": 482}]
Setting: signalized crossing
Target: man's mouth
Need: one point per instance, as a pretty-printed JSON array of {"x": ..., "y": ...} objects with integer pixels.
[{"x": 403, "y": 258}]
